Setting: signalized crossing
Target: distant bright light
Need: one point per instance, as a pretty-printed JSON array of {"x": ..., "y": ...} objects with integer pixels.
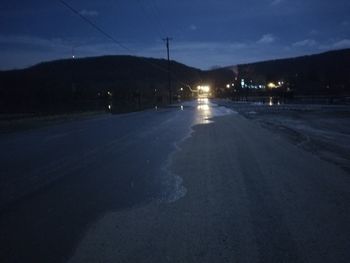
[
  {"x": 203, "y": 88},
  {"x": 272, "y": 85},
  {"x": 109, "y": 107},
  {"x": 182, "y": 107},
  {"x": 228, "y": 86},
  {"x": 182, "y": 89}
]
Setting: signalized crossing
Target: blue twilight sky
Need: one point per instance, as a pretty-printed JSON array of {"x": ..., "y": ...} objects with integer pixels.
[{"x": 206, "y": 33}]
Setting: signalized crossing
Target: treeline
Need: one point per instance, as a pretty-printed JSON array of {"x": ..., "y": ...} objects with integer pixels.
[
  {"x": 326, "y": 74},
  {"x": 128, "y": 83},
  {"x": 124, "y": 83}
]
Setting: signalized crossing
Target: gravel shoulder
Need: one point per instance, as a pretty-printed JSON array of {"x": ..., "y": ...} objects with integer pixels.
[{"x": 323, "y": 130}]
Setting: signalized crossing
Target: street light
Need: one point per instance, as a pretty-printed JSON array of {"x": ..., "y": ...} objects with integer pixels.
[
  {"x": 204, "y": 88},
  {"x": 271, "y": 85}
]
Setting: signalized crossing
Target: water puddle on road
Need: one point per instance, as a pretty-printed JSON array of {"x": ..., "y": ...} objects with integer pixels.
[
  {"x": 173, "y": 189},
  {"x": 207, "y": 110},
  {"x": 204, "y": 111}
]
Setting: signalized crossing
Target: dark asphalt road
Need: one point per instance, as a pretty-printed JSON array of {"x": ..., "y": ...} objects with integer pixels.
[
  {"x": 138, "y": 188},
  {"x": 56, "y": 181}
]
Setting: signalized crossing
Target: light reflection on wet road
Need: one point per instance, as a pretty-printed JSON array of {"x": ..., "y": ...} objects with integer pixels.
[
  {"x": 116, "y": 185},
  {"x": 250, "y": 197},
  {"x": 58, "y": 180}
]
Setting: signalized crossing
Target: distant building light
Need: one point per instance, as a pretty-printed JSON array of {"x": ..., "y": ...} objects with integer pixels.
[
  {"x": 228, "y": 86},
  {"x": 109, "y": 107},
  {"x": 203, "y": 88},
  {"x": 272, "y": 85}
]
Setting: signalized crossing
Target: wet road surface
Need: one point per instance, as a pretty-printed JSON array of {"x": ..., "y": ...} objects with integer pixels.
[{"x": 144, "y": 187}]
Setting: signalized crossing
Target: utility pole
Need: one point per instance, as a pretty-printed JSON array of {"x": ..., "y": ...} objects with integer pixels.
[{"x": 167, "y": 39}]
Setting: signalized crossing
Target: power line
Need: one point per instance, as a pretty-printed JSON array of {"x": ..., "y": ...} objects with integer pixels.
[
  {"x": 95, "y": 25},
  {"x": 110, "y": 37},
  {"x": 157, "y": 14},
  {"x": 152, "y": 18}
]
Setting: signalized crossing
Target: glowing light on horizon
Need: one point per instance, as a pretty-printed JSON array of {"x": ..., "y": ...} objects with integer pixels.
[
  {"x": 272, "y": 85},
  {"x": 204, "y": 88}
]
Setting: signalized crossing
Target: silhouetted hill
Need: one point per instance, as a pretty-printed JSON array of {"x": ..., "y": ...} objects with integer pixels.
[
  {"x": 129, "y": 83},
  {"x": 92, "y": 83},
  {"x": 323, "y": 74}
]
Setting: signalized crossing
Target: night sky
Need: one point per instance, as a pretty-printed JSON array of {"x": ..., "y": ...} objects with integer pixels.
[{"x": 206, "y": 33}]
